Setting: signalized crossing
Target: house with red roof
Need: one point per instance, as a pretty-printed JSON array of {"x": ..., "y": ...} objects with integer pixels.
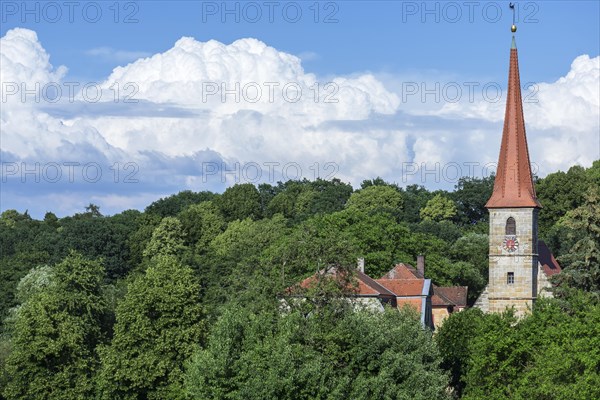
[
  {"x": 447, "y": 300},
  {"x": 442, "y": 301},
  {"x": 402, "y": 286},
  {"x": 411, "y": 289}
]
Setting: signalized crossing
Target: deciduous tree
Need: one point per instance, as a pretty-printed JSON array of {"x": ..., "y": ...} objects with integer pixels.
[
  {"x": 376, "y": 198},
  {"x": 582, "y": 263},
  {"x": 159, "y": 323},
  {"x": 333, "y": 355},
  {"x": 439, "y": 208},
  {"x": 240, "y": 201},
  {"x": 55, "y": 334}
]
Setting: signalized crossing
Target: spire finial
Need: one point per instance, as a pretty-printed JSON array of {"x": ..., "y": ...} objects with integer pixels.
[{"x": 513, "y": 28}]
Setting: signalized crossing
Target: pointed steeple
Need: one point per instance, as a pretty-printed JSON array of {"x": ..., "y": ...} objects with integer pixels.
[{"x": 513, "y": 186}]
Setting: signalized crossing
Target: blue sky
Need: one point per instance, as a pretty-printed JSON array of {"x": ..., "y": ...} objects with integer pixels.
[
  {"x": 374, "y": 48},
  {"x": 463, "y": 38}
]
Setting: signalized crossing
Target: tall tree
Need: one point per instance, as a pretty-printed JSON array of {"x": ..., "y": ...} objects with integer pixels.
[
  {"x": 316, "y": 244},
  {"x": 92, "y": 211},
  {"x": 167, "y": 239},
  {"x": 415, "y": 197},
  {"x": 284, "y": 202},
  {"x": 159, "y": 323},
  {"x": 550, "y": 354},
  {"x": 470, "y": 196},
  {"x": 376, "y": 237},
  {"x": 559, "y": 193},
  {"x": 330, "y": 196},
  {"x": 234, "y": 262},
  {"x": 98, "y": 237},
  {"x": 240, "y": 201},
  {"x": 582, "y": 263},
  {"x": 12, "y": 270},
  {"x": 453, "y": 339},
  {"x": 55, "y": 334},
  {"x": 138, "y": 240},
  {"x": 201, "y": 223}
]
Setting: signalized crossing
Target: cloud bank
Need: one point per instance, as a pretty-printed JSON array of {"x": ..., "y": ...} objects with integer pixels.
[{"x": 205, "y": 115}]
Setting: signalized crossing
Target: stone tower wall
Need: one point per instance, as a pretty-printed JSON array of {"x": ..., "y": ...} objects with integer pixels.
[{"x": 523, "y": 263}]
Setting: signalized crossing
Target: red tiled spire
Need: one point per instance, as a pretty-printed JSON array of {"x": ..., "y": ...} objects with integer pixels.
[{"x": 513, "y": 186}]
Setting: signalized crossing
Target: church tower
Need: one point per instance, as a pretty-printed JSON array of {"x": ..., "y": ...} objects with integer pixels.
[{"x": 513, "y": 208}]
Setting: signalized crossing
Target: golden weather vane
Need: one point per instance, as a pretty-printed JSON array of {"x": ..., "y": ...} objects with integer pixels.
[{"x": 513, "y": 28}]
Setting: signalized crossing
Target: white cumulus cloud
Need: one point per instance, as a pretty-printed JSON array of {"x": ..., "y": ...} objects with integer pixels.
[
  {"x": 167, "y": 120},
  {"x": 24, "y": 60}
]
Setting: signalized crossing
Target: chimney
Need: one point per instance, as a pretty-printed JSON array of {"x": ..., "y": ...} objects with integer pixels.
[
  {"x": 421, "y": 264},
  {"x": 361, "y": 265}
]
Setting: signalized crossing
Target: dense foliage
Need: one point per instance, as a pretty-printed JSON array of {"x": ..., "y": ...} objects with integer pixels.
[
  {"x": 181, "y": 300},
  {"x": 55, "y": 334},
  {"x": 328, "y": 355},
  {"x": 554, "y": 353}
]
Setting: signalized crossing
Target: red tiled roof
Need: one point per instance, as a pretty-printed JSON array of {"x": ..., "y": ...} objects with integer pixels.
[
  {"x": 311, "y": 280},
  {"x": 402, "y": 271},
  {"x": 306, "y": 283},
  {"x": 403, "y": 287},
  {"x": 370, "y": 284},
  {"x": 366, "y": 285},
  {"x": 439, "y": 299},
  {"x": 513, "y": 186},
  {"x": 450, "y": 295},
  {"x": 414, "y": 302},
  {"x": 549, "y": 264}
]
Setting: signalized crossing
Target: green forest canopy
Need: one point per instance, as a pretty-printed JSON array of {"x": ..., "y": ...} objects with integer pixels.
[{"x": 152, "y": 304}]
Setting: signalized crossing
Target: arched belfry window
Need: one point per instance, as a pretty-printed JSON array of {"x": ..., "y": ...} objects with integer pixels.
[{"x": 511, "y": 226}]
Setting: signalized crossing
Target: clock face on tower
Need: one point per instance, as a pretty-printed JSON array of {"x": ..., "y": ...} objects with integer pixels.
[{"x": 510, "y": 243}]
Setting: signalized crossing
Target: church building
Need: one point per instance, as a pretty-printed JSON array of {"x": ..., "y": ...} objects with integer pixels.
[{"x": 519, "y": 264}]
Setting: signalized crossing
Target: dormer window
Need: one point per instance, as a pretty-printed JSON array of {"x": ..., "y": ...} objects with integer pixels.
[{"x": 511, "y": 226}]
